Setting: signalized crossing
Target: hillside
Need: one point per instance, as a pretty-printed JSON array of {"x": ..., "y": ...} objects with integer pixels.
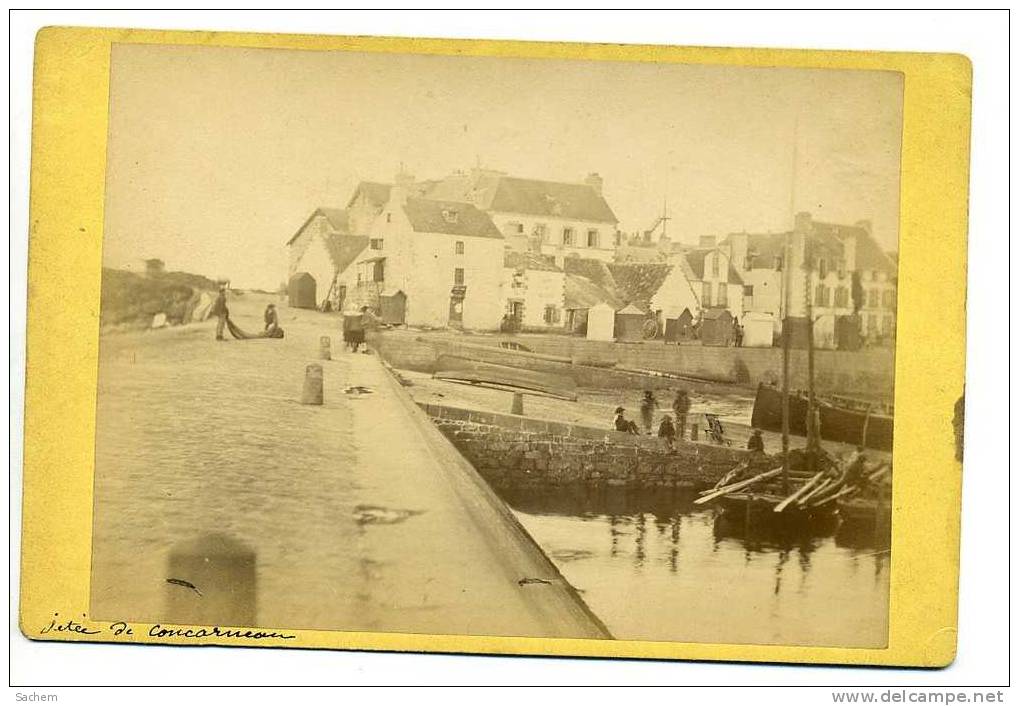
[{"x": 132, "y": 300}]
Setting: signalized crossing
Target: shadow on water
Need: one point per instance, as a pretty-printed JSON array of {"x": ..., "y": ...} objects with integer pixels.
[{"x": 211, "y": 581}]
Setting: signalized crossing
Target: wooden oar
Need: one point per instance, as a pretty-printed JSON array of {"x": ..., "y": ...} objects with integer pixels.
[
  {"x": 736, "y": 486},
  {"x": 845, "y": 491},
  {"x": 803, "y": 489},
  {"x": 724, "y": 480},
  {"x": 813, "y": 493}
]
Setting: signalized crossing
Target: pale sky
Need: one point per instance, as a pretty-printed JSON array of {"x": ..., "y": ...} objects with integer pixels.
[{"x": 218, "y": 155}]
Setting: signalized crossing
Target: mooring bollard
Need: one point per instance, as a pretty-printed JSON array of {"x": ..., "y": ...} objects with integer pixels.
[
  {"x": 312, "y": 392},
  {"x": 325, "y": 348},
  {"x": 693, "y": 432},
  {"x": 518, "y": 403}
]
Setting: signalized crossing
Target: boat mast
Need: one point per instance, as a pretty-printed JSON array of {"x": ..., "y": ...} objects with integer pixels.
[{"x": 786, "y": 333}]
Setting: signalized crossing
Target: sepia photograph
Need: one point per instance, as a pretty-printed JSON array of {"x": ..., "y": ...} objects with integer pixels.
[{"x": 464, "y": 345}]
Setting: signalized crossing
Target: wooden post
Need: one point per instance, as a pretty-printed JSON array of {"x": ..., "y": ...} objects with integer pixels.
[
  {"x": 312, "y": 392},
  {"x": 325, "y": 348},
  {"x": 518, "y": 403}
]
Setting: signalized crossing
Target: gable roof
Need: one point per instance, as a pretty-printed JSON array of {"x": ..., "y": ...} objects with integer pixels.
[
  {"x": 695, "y": 259},
  {"x": 869, "y": 255},
  {"x": 338, "y": 219},
  {"x": 547, "y": 198},
  {"x": 344, "y": 249},
  {"x": 594, "y": 270},
  {"x": 637, "y": 283},
  {"x": 529, "y": 261},
  {"x": 429, "y": 216},
  {"x": 582, "y": 293}
]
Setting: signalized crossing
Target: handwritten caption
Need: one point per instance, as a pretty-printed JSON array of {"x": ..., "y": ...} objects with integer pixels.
[{"x": 121, "y": 628}]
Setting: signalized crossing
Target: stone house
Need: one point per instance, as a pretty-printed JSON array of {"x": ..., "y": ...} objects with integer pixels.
[
  {"x": 446, "y": 257},
  {"x": 534, "y": 290},
  {"x": 838, "y": 270},
  {"x": 323, "y": 247}
]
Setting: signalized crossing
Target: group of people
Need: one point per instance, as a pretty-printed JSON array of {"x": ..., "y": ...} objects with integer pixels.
[
  {"x": 354, "y": 326},
  {"x": 667, "y": 429},
  {"x": 222, "y": 313}
]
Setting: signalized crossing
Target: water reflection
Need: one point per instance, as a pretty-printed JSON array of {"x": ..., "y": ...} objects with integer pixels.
[{"x": 654, "y": 566}]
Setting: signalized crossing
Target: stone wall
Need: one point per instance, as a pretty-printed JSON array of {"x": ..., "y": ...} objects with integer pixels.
[
  {"x": 868, "y": 373},
  {"x": 513, "y": 451}
]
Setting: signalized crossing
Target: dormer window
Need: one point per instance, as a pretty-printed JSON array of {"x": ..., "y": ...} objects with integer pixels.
[
  {"x": 450, "y": 216},
  {"x": 389, "y": 218}
]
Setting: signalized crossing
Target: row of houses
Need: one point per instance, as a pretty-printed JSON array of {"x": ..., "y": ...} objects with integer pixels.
[{"x": 484, "y": 250}]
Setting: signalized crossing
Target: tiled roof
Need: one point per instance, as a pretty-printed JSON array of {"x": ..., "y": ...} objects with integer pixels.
[
  {"x": 376, "y": 193},
  {"x": 826, "y": 238},
  {"x": 637, "y": 283},
  {"x": 869, "y": 255},
  {"x": 544, "y": 198},
  {"x": 594, "y": 270},
  {"x": 529, "y": 261},
  {"x": 582, "y": 293},
  {"x": 451, "y": 217}
]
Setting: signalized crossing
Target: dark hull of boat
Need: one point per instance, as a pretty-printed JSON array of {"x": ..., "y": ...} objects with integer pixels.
[{"x": 837, "y": 423}]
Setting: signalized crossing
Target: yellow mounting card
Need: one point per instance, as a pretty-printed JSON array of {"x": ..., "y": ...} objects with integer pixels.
[{"x": 495, "y": 347}]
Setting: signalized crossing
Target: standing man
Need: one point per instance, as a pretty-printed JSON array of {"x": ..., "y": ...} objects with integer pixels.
[
  {"x": 737, "y": 332},
  {"x": 668, "y": 432},
  {"x": 681, "y": 407},
  {"x": 220, "y": 311},
  {"x": 647, "y": 410}
]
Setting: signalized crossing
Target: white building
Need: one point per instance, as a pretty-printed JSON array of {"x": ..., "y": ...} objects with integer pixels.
[
  {"x": 533, "y": 290},
  {"x": 445, "y": 256},
  {"x": 323, "y": 247}
]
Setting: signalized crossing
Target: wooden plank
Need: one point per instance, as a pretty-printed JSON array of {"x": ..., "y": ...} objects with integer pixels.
[{"x": 737, "y": 486}]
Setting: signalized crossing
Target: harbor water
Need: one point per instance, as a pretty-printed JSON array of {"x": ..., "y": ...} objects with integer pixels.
[{"x": 653, "y": 566}]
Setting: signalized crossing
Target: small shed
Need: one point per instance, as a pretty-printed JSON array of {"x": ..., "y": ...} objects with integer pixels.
[
  {"x": 716, "y": 327},
  {"x": 680, "y": 328},
  {"x": 301, "y": 291},
  {"x": 630, "y": 323},
  {"x": 601, "y": 322},
  {"x": 393, "y": 307},
  {"x": 758, "y": 330}
]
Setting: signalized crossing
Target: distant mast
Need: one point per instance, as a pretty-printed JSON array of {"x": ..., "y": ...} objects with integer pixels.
[{"x": 786, "y": 333}]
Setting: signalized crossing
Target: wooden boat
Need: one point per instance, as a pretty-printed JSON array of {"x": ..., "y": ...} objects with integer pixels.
[{"x": 850, "y": 423}]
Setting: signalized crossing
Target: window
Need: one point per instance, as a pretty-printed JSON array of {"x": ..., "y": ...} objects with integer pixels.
[
  {"x": 822, "y": 267},
  {"x": 706, "y": 294},
  {"x": 375, "y": 243},
  {"x": 459, "y": 247},
  {"x": 379, "y": 271},
  {"x": 842, "y": 269},
  {"x": 592, "y": 238},
  {"x": 841, "y": 297},
  {"x": 888, "y": 299},
  {"x": 723, "y": 294},
  {"x": 778, "y": 263},
  {"x": 389, "y": 218},
  {"x": 748, "y": 290},
  {"x": 825, "y": 298},
  {"x": 552, "y": 314},
  {"x": 567, "y": 236},
  {"x": 873, "y": 298},
  {"x": 450, "y": 216},
  {"x": 514, "y": 228},
  {"x": 887, "y": 324},
  {"x": 458, "y": 276},
  {"x": 871, "y": 323},
  {"x": 714, "y": 264},
  {"x": 540, "y": 231}
]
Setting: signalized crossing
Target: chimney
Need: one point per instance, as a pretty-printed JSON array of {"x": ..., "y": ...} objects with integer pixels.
[
  {"x": 707, "y": 241},
  {"x": 595, "y": 181}
]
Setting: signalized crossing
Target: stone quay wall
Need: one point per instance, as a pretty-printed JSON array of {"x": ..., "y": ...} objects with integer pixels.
[
  {"x": 867, "y": 373},
  {"x": 513, "y": 451}
]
